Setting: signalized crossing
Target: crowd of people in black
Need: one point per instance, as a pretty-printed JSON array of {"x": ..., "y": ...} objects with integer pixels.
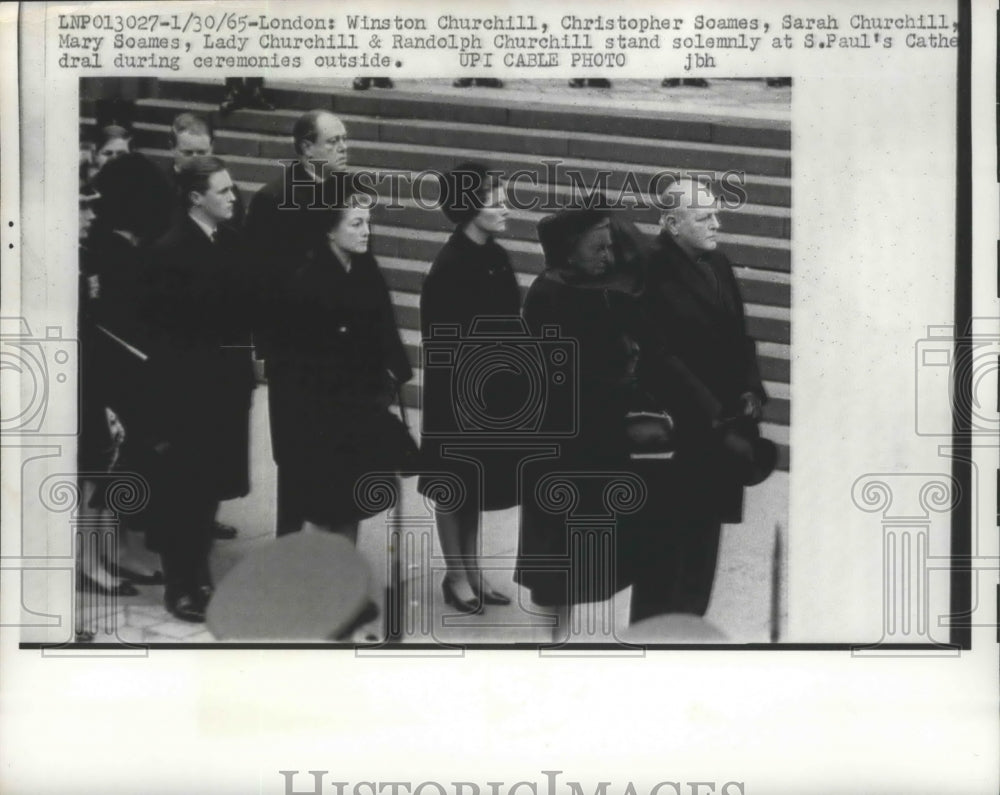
[{"x": 182, "y": 289}]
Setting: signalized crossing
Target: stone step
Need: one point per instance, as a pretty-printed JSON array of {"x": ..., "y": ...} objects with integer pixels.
[
  {"x": 618, "y": 176},
  {"x": 503, "y": 111},
  {"x": 752, "y": 219},
  {"x": 656, "y": 152}
]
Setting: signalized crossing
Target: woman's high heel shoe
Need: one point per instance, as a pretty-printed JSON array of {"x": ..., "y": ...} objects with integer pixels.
[
  {"x": 488, "y": 596},
  {"x": 491, "y": 597},
  {"x": 461, "y": 605},
  {"x": 123, "y": 588},
  {"x": 156, "y": 578}
]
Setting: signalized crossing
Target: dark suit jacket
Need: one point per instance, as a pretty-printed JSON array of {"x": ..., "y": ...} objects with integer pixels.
[
  {"x": 280, "y": 230},
  {"x": 197, "y": 306},
  {"x": 701, "y": 322}
]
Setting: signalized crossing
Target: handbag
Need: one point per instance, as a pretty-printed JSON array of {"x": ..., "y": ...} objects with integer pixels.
[
  {"x": 650, "y": 434},
  {"x": 649, "y": 430}
]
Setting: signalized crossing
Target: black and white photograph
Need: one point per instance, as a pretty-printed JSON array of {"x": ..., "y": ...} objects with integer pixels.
[
  {"x": 480, "y": 398},
  {"x": 559, "y": 311}
]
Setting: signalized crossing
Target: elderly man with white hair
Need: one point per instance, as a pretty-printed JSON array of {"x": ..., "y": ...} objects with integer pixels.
[{"x": 694, "y": 302}]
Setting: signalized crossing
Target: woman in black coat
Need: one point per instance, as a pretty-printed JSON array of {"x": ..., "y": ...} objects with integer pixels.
[
  {"x": 469, "y": 288},
  {"x": 130, "y": 198},
  {"x": 346, "y": 363},
  {"x": 595, "y": 303}
]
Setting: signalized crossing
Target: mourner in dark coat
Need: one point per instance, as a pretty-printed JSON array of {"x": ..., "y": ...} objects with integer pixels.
[
  {"x": 594, "y": 303},
  {"x": 198, "y": 311},
  {"x": 101, "y": 433},
  {"x": 131, "y": 199},
  {"x": 280, "y": 235},
  {"x": 470, "y": 287},
  {"x": 692, "y": 298},
  {"x": 342, "y": 363}
]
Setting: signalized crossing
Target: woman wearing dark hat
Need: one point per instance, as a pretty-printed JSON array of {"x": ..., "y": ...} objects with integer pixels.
[
  {"x": 347, "y": 361},
  {"x": 593, "y": 301},
  {"x": 470, "y": 286}
]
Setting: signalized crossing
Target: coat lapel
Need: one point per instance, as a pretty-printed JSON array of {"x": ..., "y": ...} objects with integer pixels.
[{"x": 677, "y": 266}]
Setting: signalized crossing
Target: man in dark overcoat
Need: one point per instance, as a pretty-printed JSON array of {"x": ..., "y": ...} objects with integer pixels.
[
  {"x": 693, "y": 301},
  {"x": 280, "y": 231},
  {"x": 197, "y": 309}
]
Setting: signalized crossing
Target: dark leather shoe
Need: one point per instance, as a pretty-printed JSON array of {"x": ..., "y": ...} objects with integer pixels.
[
  {"x": 258, "y": 101},
  {"x": 187, "y": 607},
  {"x": 461, "y": 605},
  {"x": 233, "y": 101},
  {"x": 205, "y": 593},
  {"x": 224, "y": 532}
]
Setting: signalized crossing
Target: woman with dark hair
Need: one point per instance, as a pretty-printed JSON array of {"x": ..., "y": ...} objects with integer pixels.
[
  {"x": 346, "y": 362},
  {"x": 593, "y": 300},
  {"x": 470, "y": 283},
  {"x": 112, "y": 142}
]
